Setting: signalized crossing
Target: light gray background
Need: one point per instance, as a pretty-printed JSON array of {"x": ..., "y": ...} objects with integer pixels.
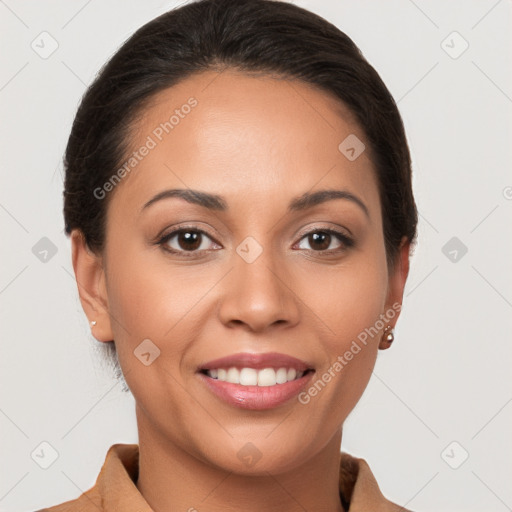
[{"x": 447, "y": 377}]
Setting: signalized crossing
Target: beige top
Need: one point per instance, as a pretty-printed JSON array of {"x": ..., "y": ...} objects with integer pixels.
[{"x": 115, "y": 488}]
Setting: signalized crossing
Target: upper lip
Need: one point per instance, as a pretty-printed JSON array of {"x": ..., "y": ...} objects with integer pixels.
[{"x": 258, "y": 362}]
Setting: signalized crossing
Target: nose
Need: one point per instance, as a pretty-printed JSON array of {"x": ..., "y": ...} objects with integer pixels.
[{"x": 258, "y": 295}]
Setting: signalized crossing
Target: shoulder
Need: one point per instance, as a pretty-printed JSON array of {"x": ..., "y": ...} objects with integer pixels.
[
  {"x": 360, "y": 489},
  {"x": 114, "y": 484}
]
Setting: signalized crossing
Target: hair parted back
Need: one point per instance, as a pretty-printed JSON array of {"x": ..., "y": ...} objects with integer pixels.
[{"x": 265, "y": 36}]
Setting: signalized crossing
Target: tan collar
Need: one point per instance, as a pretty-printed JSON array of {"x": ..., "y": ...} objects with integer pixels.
[{"x": 115, "y": 489}]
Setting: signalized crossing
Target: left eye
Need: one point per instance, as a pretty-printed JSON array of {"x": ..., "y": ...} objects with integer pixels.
[{"x": 321, "y": 240}]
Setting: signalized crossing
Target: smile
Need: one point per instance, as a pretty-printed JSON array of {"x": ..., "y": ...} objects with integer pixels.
[
  {"x": 254, "y": 377},
  {"x": 256, "y": 381}
]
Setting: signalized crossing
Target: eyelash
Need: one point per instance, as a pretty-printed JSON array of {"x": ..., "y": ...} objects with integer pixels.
[{"x": 345, "y": 240}]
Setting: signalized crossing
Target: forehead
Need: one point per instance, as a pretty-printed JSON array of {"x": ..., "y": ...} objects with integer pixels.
[{"x": 248, "y": 136}]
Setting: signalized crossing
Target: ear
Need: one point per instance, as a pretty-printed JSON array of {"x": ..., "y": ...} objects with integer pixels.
[
  {"x": 397, "y": 280},
  {"x": 90, "y": 279}
]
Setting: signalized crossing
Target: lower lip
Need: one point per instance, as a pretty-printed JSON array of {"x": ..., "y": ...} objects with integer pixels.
[{"x": 256, "y": 397}]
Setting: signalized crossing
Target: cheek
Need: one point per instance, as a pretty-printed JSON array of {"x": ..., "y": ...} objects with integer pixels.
[
  {"x": 349, "y": 301},
  {"x": 349, "y": 298},
  {"x": 150, "y": 298}
]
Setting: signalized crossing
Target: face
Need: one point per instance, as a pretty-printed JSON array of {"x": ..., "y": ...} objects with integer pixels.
[{"x": 267, "y": 273}]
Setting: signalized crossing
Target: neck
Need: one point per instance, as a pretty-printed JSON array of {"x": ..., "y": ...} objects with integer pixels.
[{"x": 170, "y": 478}]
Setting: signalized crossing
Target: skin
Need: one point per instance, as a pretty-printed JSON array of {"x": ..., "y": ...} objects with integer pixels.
[{"x": 259, "y": 142}]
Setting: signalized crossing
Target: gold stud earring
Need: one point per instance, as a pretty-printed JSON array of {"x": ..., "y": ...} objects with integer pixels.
[{"x": 388, "y": 336}]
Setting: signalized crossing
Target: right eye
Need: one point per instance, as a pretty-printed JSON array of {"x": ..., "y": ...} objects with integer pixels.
[{"x": 186, "y": 240}]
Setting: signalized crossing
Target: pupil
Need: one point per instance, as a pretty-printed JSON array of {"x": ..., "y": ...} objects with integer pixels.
[
  {"x": 320, "y": 237},
  {"x": 190, "y": 240}
]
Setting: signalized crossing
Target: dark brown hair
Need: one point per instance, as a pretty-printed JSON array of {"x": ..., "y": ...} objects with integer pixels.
[{"x": 249, "y": 35}]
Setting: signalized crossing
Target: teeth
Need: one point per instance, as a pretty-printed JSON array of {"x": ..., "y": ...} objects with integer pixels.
[
  {"x": 281, "y": 376},
  {"x": 233, "y": 376},
  {"x": 248, "y": 377},
  {"x": 267, "y": 377},
  {"x": 253, "y": 377}
]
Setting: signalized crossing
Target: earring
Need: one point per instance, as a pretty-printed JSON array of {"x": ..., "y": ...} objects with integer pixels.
[
  {"x": 388, "y": 336},
  {"x": 93, "y": 323}
]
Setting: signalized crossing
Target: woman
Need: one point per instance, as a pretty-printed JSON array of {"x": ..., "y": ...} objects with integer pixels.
[{"x": 238, "y": 197}]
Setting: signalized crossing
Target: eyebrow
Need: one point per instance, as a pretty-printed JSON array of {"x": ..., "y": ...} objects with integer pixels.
[{"x": 218, "y": 203}]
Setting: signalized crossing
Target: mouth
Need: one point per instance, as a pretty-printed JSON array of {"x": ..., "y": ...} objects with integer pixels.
[
  {"x": 256, "y": 381},
  {"x": 253, "y": 377}
]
